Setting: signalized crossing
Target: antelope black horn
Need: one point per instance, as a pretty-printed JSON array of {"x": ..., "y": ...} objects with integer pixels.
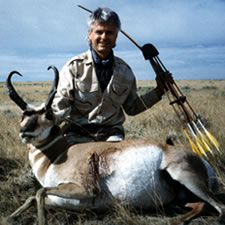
[
  {"x": 54, "y": 87},
  {"x": 12, "y": 92}
]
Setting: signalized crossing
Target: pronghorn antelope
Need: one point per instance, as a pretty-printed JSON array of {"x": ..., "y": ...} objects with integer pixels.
[{"x": 142, "y": 173}]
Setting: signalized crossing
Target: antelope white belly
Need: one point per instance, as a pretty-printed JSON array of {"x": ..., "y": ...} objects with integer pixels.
[{"x": 136, "y": 177}]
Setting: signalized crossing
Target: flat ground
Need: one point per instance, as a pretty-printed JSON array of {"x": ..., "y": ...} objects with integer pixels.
[{"x": 207, "y": 97}]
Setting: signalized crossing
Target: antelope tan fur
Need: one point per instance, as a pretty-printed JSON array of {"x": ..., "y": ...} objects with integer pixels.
[{"x": 142, "y": 173}]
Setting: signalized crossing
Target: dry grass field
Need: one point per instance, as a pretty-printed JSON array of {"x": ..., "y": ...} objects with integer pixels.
[{"x": 17, "y": 182}]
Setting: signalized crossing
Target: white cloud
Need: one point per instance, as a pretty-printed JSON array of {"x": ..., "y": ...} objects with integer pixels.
[
  {"x": 40, "y": 24},
  {"x": 183, "y": 63},
  {"x": 175, "y": 22},
  {"x": 61, "y": 24},
  {"x": 32, "y": 67},
  {"x": 34, "y": 32}
]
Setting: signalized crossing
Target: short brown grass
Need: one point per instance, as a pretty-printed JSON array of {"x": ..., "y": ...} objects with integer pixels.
[{"x": 207, "y": 97}]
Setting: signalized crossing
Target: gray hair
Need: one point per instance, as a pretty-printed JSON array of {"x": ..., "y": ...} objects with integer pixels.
[{"x": 104, "y": 15}]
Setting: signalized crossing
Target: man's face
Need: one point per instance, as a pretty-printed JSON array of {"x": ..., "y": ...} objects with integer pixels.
[{"x": 103, "y": 37}]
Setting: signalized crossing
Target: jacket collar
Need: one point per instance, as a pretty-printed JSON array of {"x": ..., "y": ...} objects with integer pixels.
[{"x": 88, "y": 58}]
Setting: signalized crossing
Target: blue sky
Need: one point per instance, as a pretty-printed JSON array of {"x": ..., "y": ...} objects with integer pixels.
[{"x": 189, "y": 34}]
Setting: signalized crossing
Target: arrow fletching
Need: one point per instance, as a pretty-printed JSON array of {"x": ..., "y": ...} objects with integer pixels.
[{"x": 210, "y": 137}]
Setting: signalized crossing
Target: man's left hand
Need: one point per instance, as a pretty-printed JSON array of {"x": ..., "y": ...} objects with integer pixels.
[{"x": 162, "y": 81}]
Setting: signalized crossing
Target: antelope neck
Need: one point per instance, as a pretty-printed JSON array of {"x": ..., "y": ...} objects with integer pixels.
[{"x": 54, "y": 136}]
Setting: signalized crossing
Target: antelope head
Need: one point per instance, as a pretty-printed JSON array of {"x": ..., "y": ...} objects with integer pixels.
[{"x": 37, "y": 122}]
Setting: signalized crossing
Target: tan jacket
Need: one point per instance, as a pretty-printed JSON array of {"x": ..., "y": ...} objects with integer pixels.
[{"x": 79, "y": 96}]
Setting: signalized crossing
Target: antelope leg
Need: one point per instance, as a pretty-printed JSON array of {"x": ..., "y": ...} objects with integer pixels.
[
  {"x": 22, "y": 208},
  {"x": 67, "y": 191},
  {"x": 196, "y": 209},
  {"x": 198, "y": 186}
]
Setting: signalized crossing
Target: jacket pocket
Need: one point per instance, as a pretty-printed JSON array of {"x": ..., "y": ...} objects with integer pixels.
[
  {"x": 119, "y": 89},
  {"x": 86, "y": 97},
  {"x": 86, "y": 87},
  {"x": 118, "y": 94}
]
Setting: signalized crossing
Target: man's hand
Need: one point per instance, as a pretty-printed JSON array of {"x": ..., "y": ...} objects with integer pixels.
[
  {"x": 162, "y": 81},
  {"x": 168, "y": 78}
]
